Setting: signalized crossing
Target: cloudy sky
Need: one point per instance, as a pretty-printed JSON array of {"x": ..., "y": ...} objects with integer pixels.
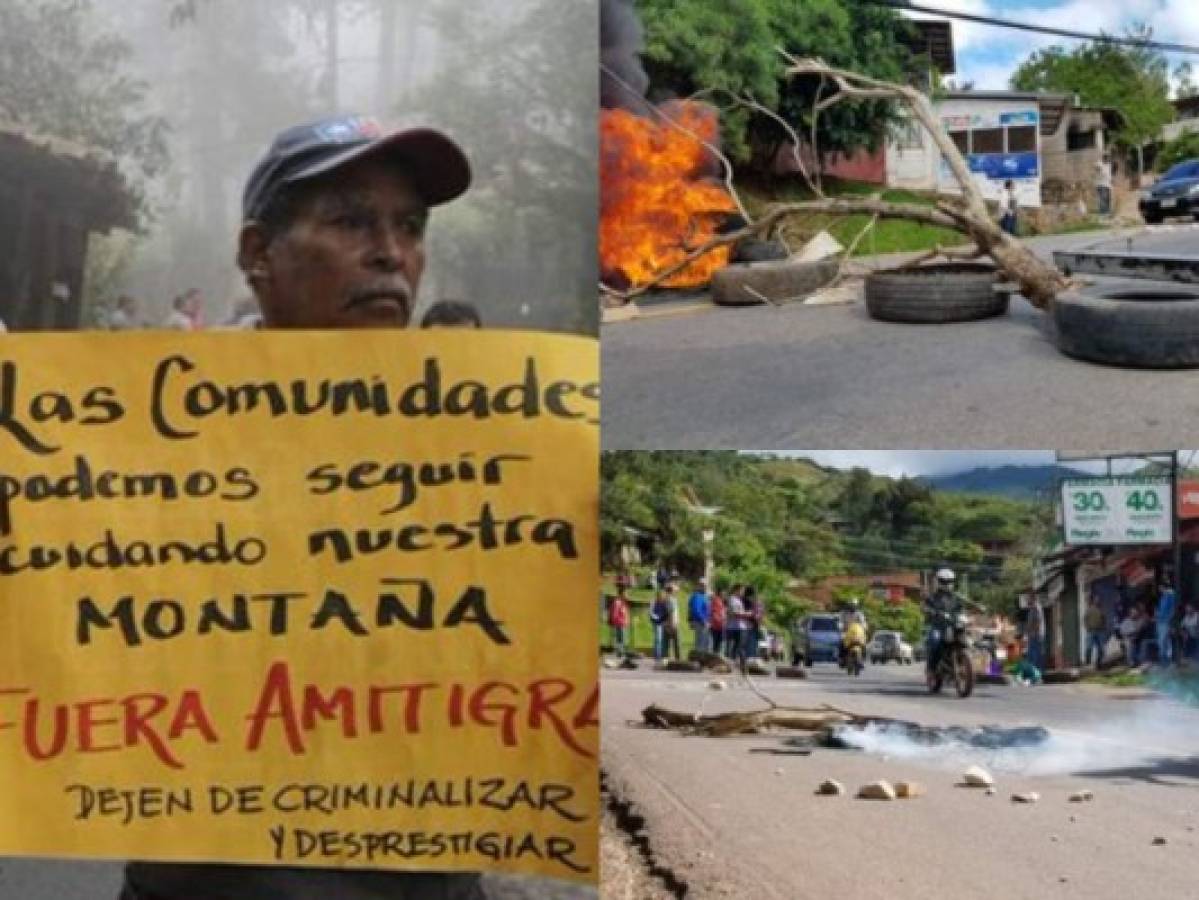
[
  {"x": 988, "y": 55},
  {"x": 912, "y": 463}
]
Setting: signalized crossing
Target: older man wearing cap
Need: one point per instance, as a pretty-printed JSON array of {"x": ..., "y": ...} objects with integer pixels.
[{"x": 332, "y": 237}]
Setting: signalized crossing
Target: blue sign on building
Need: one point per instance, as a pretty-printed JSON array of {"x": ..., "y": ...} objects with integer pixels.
[
  {"x": 1025, "y": 117},
  {"x": 1002, "y": 166}
]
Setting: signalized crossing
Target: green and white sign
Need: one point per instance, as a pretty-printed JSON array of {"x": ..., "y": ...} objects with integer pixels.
[{"x": 1099, "y": 511}]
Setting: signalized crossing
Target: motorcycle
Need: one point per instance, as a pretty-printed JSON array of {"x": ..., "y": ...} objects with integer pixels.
[
  {"x": 953, "y": 663},
  {"x": 853, "y": 650},
  {"x": 853, "y": 659}
]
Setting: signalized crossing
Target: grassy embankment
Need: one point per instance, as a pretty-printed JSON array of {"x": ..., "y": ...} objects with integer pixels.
[{"x": 887, "y": 236}]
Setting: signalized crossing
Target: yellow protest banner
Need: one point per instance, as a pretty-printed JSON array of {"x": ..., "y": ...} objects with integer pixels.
[{"x": 319, "y": 599}]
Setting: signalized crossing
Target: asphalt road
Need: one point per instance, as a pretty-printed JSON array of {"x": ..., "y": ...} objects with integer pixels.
[
  {"x": 795, "y": 378},
  {"x": 727, "y": 819}
]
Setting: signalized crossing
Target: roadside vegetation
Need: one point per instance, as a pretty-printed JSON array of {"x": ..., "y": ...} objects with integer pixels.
[{"x": 784, "y": 525}]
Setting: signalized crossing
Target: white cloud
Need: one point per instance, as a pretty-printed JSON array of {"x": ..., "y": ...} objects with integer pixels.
[
  {"x": 915, "y": 463},
  {"x": 927, "y": 462},
  {"x": 987, "y": 55}
]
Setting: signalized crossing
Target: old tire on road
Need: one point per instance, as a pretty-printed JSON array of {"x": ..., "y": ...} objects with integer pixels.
[
  {"x": 778, "y": 281},
  {"x": 1143, "y": 329},
  {"x": 934, "y": 295}
]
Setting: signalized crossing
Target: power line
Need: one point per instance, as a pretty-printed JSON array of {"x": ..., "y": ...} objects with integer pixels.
[{"x": 1039, "y": 29}]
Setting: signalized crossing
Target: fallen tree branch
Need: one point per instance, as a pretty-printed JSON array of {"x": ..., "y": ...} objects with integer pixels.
[
  {"x": 1037, "y": 280},
  {"x": 939, "y": 252},
  {"x": 835, "y": 206},
  {"x": 843, "y": 267},
  {"x": 751, "y": 722},
  {"x": 755, "y": 106}
]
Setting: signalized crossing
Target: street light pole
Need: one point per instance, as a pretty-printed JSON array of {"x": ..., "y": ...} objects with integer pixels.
[{"x": 709, "y": 538}]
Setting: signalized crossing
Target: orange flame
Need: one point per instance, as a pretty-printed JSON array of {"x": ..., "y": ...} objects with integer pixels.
[{"x": 656, "y": 204}]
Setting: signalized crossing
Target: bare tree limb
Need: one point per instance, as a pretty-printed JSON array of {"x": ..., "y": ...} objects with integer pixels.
[
  {"x": 1038, "y": 281},
  {"x": 853, "y": 245},
  {"x": 757, "y": 107},
  {"x": 836, "y": 205}
]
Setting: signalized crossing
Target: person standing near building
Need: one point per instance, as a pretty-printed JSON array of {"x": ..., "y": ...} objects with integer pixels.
[
  {"x": 1034, "y": 631},
  {"x": 716, "y": 621},
  {"x": 734, "y": 623},
  {"x": 618, "y": 620},
  {"x": 753, "y": 624},
  {"x": 1166, "y": 603},
  {"x": 1096, "y": 625},
  {"x": 659, "y": 612},
  {"x": 124, "y": 315},
  {"x": 1008, "y": 205},
  {"x": 671, "y": 625},
  {"x": 698, "y": 612},
  {"x": 1103, "y": 184},
  {"x": 1190, "y": 632}
]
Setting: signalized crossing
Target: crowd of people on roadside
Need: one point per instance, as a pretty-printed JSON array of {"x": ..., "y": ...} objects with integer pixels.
[
  {"x": 1154, "y": 629},
  {"x": 728, "y": 623}
]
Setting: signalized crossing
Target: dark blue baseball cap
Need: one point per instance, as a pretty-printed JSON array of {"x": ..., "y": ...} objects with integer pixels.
[{"x": 437, "y": 166}]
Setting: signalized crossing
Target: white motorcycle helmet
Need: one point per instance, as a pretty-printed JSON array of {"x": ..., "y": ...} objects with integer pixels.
[{"x": 945, "y": 579}]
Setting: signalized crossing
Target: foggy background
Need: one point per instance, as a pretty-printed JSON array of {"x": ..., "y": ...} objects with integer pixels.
[{"x": 187, "y": 94}]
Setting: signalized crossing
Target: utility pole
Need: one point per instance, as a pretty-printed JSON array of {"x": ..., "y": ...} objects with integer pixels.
[{"x": 1176, "y": 579}]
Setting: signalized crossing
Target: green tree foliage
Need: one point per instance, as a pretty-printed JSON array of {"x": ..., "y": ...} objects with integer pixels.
[
  {"x": 1183, "y": 147},
  {"x": 782, "y": 524},
  {"x": 694, "y": 45},
  {"x": 61, "y": 77},
  {"x": 1133, "y": 79}
]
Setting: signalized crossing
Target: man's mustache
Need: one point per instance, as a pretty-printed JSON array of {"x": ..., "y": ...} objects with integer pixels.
[{"x": 395, "y": 289}]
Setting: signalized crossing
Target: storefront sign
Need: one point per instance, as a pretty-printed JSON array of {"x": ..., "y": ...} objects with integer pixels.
[
  {"x": 1188, "y": 500},
  {"x": 1112, "y": 511},
  {"x": 309, "y": 599}
]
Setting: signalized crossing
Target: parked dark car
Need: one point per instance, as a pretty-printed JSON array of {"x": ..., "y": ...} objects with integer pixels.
[
  {"x": 1174, "y": 194},
  {"x": 816, "y": 638}
]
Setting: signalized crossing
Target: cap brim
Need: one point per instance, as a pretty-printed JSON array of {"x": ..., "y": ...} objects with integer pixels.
[{"x": 437, "y": 166}]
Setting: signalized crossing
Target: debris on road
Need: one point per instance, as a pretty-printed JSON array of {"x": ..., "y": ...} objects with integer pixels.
[
  {"x": 730, "y": 723},
  {"x": 711, "y": 662},
  {"x": 756, "y": 666},
  {"x": 718, "y": 685},
  {"x": 790, "y": 672},
  {"x": 976, "y": 776},
  {"x": 877, "y": 790},
  {"x": 1159, "y": 841},
  {"x": 1082, "y": 797},
  {"x": 909, "y": 790},
  {"x": 830, "y": 788},
  {"x": 679, "y": 665},
  {"x": 822, "y": 246},
  {"x": 1026, "y": 797}
]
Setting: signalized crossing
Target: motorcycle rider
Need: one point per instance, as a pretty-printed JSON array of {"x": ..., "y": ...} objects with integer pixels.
[
  {"x": 942, "y": 604},
  {"x": 853, "y": 628}
]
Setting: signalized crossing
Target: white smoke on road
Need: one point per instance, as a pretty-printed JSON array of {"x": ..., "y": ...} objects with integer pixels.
[{"x": 1153, "y": 733}]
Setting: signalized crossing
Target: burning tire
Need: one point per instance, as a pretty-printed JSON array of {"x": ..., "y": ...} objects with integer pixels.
[
  {"x": 954, "y": 292},
  {"x": 1132, "y": 329}
]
